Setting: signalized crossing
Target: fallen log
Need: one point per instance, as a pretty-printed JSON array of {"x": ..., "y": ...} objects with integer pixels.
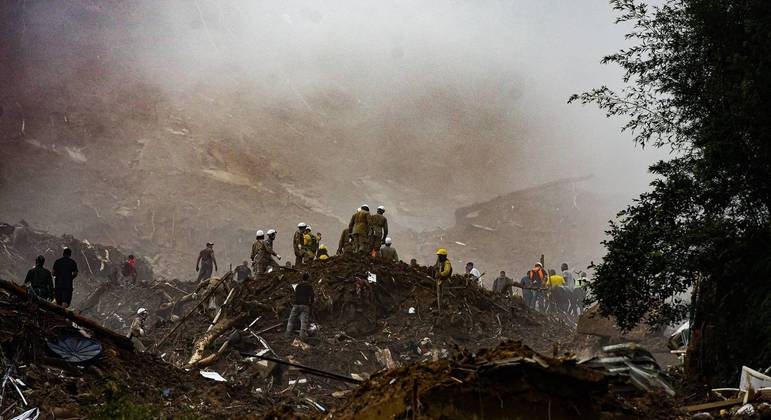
[
  {"x": 224, "y": 324},
  {"x": 82, "y": 321}
]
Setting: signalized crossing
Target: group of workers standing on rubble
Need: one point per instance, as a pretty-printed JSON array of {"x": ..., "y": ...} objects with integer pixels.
[{"x": 366, "y": 234}]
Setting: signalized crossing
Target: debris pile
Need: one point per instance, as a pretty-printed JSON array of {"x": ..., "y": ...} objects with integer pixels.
[
  {"x": 369, "y": 315},
  {"x": 72, "y": 369},
  {"x": 507, "y": 381},
  {"x": 633, "y": 362},
  {"x": 97, "y": 263},
  {"x": 752, "y": 399}
]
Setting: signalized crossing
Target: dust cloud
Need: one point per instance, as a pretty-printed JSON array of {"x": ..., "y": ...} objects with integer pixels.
[{"x": 422, "y": 106}]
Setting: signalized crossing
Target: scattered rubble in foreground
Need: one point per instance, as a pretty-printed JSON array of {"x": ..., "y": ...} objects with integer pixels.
[
  {"x": 508, "y": 381},
  {"x": 369, "y": 315},
  {"x": 113, "y": 383}
]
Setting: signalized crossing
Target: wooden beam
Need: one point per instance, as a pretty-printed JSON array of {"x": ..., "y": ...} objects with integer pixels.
[
  {"x": 712, "y": 405},
  {"x": 45, "y": 305}
]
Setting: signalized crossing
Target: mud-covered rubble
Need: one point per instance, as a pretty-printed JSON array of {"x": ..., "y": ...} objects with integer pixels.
[
  {"x": 20, "y": 244},
  {"x": 507, "y": 381},
  {"x": 117, "y": 380},
  {"x": 369, "y": 315}
]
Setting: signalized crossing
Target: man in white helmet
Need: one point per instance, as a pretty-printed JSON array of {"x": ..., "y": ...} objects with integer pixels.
[
  {"x": 378, "y": 228},
  {"x": 261, "y": 255},
  {"x": 359, "y": 229},
  {"x": 297, "y": 244},
  {"x": 138, "y": 329},
  {"x": 271, "y": 237},
  {"x": 387, "y": 252}
]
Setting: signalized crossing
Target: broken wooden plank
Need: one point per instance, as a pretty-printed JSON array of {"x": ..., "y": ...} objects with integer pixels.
[{"x": 712, "y": 405}]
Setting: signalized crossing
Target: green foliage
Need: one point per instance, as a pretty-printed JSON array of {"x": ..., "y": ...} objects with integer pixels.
[
  {"x": 116, "y": 403},
  {"x": 697, "y": 80}
]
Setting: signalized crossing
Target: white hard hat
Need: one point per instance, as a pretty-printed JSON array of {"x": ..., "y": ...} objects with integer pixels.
[
  {"x": 381, "y": 208},
  {"x": 141, "y": 311},
  {"x": 301, "y": 225},
  {"x": 308, "y": 227},
  {"x": 388, "y": 240},
  {"x": 260, "y": 233},
  {"x": 365, "y": 206},
  {"x": 271, "y": 231}
]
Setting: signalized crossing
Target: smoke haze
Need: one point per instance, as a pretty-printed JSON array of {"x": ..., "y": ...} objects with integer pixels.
[{"x": 219, "y": 116}]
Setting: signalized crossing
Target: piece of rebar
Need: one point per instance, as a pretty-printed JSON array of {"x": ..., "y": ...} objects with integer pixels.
[{"x": 306, "y": 369}]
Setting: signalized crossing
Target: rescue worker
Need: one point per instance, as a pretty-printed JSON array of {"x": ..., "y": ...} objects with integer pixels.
[
  {"x": 580, "y": 292},
  {"x": 570, "y": 281},
  {"x": 345, "y": 245},
  {"x": 130, "y": 270},
  {"x": 378, "y": 229},
  {"x": 260, "y": 257},
  {"x": 387, "y": 252},
  {"x": 472, "y": 273},
  {"x": 310, "y": 244},
  {"x": 537, "y": 279},
  {"x": 40, "y": 280},
  {"x": 442, "y": 271},
  {"x": 206, "y": 262},
  {"x": 138, "y": 329},
  {"x": 65, "y": 270},
  {"x": 359, "y": 229},
  {"x": 503, "y": 285},
  {"x": 322, "y": 254},
  {"x": 243, "y": 272},
  {"x": 554, "y": 280},
  {"x": 303, "y": 300},
  {"x": 269, "y": 248},
  {"x": 297, "y": 244},
  {"x": 528, "y": 294}
]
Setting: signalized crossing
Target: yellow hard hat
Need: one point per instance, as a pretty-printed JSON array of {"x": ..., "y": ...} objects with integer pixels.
[
  {"x": 322, "y": 247},
  {"x": 441, "y": 251}
]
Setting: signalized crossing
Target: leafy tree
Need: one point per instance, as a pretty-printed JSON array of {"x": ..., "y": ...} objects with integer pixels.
[{"x": 697, "y": 80}]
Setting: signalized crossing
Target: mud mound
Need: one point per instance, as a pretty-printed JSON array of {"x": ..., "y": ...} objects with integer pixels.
[
  {"x": 119, "y": 379},
  {"x": 364, "y": 324},
  {"x": 350, "y": 299},
  {"x": 508, "y": 381}
]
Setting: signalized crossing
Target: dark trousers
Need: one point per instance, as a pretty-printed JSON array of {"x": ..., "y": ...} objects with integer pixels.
[
  {"x": 63, "y": 296},
  {"x": 303, "y": 312},
  {"x": 205, "y": 272}
]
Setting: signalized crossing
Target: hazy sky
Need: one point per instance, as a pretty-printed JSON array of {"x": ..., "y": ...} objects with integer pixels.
[{"x": 536, "y": 53}]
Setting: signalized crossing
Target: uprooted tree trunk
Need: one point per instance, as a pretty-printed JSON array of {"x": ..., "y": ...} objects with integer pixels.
[{"x": 201, "y": 344}]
